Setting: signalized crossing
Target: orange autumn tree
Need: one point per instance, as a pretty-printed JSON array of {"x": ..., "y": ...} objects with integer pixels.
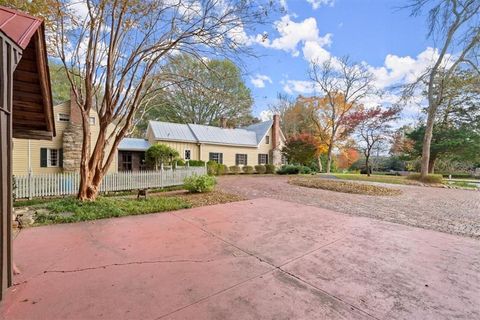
[
  {"x": 347, "y": 157},
  {"x": 328, "y": 114},
  {"x": 343, "y": 85}
]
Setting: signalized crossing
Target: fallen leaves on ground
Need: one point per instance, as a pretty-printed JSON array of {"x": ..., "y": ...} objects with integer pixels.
[
  {"x": 344, "y": 186},
  {"x": 206, "y": 198}
]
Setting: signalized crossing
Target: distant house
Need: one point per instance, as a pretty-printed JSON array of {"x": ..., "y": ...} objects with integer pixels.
[{"x": 259, "y": 143}]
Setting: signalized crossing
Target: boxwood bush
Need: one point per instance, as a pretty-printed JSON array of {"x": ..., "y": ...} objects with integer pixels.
[
  {"x": 196, "y": 163},
  {"x": 247, "y": 169},
  {"x": 431, "y": 178},
  {"x": 212, "y": 168},
  {"x": 222, "y": 169},
  {"x": 270, "y": 168},
  {"x": 294, "y": 169},
  {"x": 199, "y": 184},
  {"x": 260, "y": 168},
  {"x": 234, "y": 169}
]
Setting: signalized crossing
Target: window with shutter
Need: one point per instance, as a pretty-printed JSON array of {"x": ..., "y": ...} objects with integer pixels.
[
  {"x": 43, "y": 157},
  {"x": 241, "y": 159},
  {"x": 262, "y": 158},
  {"x": 215, "y": 156}
]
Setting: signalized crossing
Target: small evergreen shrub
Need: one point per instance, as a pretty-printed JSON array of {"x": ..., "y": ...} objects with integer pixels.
[
  {"x": 431, "y": 178},
  {"x": 294, "y": 169},
  {"x": 260, "y": 169},
  {"x": 180, "y": 162},
  {"x": 199, "y": 184},
  {"x": 234, "y": 169},
  {"x": 222, "y": 169},
  {"x": 248, "y": 169},
  {"x": 196, "y": 163},
  {"x": 212, "y": 168},
  {"x": 270, "y": 168}
]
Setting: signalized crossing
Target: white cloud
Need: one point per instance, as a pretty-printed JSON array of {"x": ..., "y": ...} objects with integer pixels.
[
  {"x": 397, "y": 70},
  {"x": 259, "y": 80},
  {"x": 292, "y": 34},
  {"x": 318, "y": 3},
  {"x": 298, "y": 87},
  {"x": 266, "y": 115}
]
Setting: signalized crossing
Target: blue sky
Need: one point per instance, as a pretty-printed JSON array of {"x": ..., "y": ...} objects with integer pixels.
[{"x": 376, "y": 32}]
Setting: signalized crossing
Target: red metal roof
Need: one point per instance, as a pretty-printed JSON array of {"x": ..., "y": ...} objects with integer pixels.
[{"x": 18, "y": 26}]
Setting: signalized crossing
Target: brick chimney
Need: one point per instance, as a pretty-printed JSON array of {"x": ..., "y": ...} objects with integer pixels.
[
  {"x": 276, "y": 131},
  {"x": 73, "y": 138},
  {"x": 276, "y": 151}
]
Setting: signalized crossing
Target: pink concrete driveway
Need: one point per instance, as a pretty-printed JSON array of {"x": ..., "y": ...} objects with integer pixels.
[{"x": 256, "y": 259}]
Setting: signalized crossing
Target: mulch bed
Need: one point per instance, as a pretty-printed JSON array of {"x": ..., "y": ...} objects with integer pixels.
[{"x": 344, "y": 186}]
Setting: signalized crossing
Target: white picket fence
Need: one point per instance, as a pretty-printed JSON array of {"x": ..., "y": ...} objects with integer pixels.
[{"x": 61, "y": 184}]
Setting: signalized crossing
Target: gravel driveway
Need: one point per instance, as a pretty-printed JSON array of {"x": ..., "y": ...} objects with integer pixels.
[{"x": 447, "y": 210}]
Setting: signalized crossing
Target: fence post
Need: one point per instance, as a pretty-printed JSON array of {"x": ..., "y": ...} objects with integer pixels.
[
  {"x": 30, "y": 185},
  {"x": 161, "y": 175}
]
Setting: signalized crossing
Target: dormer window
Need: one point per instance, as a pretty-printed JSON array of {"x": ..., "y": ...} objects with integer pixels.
[{"x": 267, "y": 139}]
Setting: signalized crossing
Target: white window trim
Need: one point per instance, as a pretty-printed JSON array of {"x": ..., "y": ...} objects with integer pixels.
[
  {"x": 63, "y": 115},
  {"x": 92, "y": 122},
  {"x": 185, "y": 154},
  {"x": 49, "y": 158}
]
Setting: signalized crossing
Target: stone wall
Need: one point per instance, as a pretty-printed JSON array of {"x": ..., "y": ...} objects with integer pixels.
[{"x": 72, "y": 147}]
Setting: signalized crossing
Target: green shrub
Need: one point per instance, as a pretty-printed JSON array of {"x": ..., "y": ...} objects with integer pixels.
[
  {"x": 199, "y": 184},
  {"x": 212, "y": 168},
  {"x": 260, "y": 169},
  {"x": 270, "y": 168},
  {"x": 180, "y": 162},
  {"x": 196, "y": 163},
  {"x": 294, "y": 169},
  {"x": 431, "y": 178},
  {"x": 234, "y": 169},
  {"x": 222, "y": 169},
  {"x": 247, "y": 169}
]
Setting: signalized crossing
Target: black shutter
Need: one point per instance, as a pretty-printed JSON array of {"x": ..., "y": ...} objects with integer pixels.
[
  {"x": 246, "y": 160},
  {"x": 236, "y": 159},
  {"x": 220, "y": 158},
  {"x": 43, "y": 157},
  {"x": 60, "y": 158},
  {"x": 259, "y": 158}
]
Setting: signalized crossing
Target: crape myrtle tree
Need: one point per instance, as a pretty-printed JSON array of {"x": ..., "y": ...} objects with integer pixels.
[
  {"x": 454, "y": 26},
  {"x": 113, "y": 51},
  {"x": 343, "y": 84},
  {"x": 371, "y": 127}
]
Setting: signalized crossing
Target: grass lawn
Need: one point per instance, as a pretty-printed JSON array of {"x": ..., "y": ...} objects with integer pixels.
[
  {"x": 66, "y": 210},
  {"x": 374, "y": 178},
  {"x": 343, "y": 186}
]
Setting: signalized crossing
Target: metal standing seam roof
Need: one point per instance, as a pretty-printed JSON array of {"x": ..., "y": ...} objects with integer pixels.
[
  {"x": 248, "y": 136},
  {"x": 133, "y": 144},
  {"x": 18, "y": 26}
]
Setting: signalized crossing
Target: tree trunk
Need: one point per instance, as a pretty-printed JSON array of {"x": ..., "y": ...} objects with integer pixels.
[
  {"x": 427, "y": 139},
  {"x": 329, "y": 157},
  {"x": 431, "y": 164},
  {"x": 367, "y": 165},
  {"x": 320, "y": 168}
]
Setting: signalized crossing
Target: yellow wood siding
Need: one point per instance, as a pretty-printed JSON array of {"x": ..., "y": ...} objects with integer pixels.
[
  {"x": 21, "y": 146},
  {"x": 182, "y": 146}
]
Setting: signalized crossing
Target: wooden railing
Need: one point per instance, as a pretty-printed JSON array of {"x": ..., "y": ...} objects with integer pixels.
[{"x": 61, "y": 184}]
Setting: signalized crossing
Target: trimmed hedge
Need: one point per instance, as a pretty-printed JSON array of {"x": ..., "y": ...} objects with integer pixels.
[
  {"x": 260, "y": 169},
  {"x": 270, "y": 168},
  {"x": 247, "y": 169},
  {"x": 234, "y": 169},
  {"x": 196, "y": 163},
  {"x": 222, "y": 169},
  {"x": 431, "y": 178},
  {"x": 294, "y": 169}
]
